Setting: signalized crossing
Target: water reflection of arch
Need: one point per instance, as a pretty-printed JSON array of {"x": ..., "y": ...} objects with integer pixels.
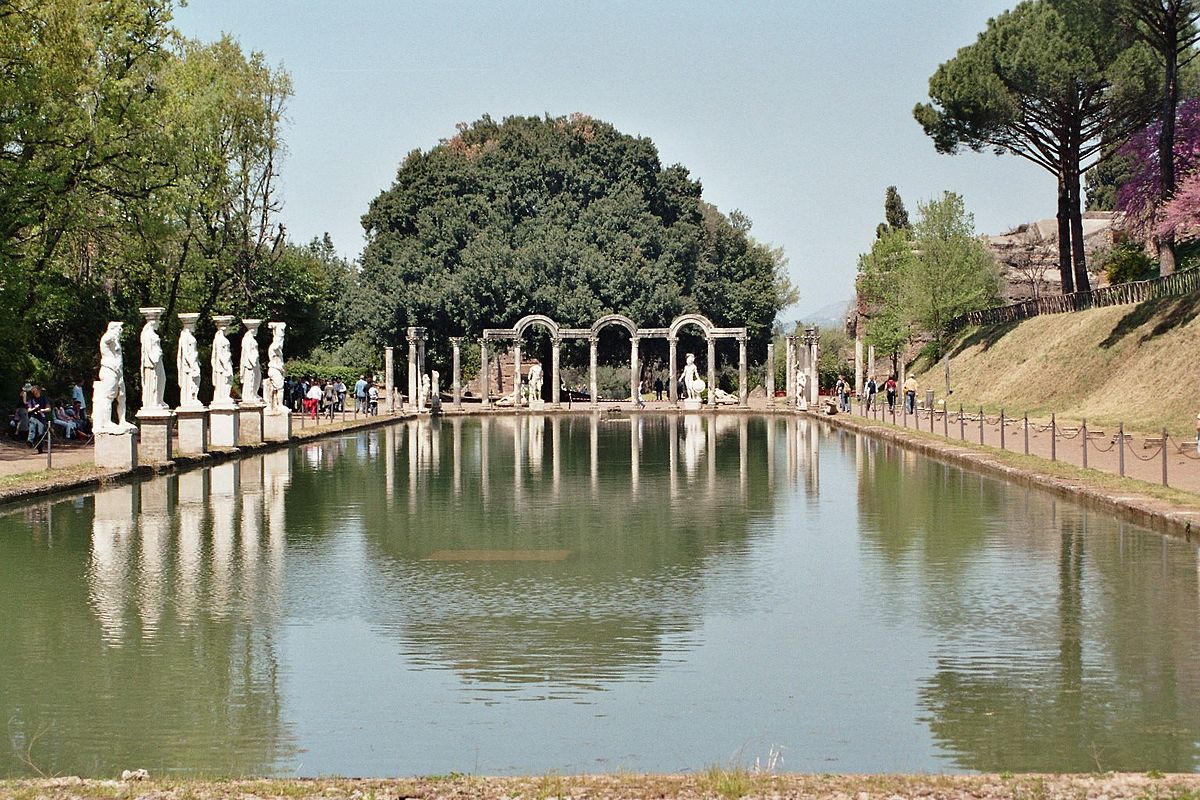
[{"x": 546, "y": 584}]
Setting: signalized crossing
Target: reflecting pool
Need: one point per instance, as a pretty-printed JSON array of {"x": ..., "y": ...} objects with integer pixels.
[{"x": 586, "y": 593}]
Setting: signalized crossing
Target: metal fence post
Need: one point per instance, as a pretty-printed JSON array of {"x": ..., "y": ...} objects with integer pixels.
[
  {"x": 946, "y": 420},
  {"x": 49, "y": 445},
  {"x": 1121, "y": 449},
  {"x": 1002, "y": 429},
  {"x": 1083, "y": 431},
  {"x": 1164, "y": 447},
  {"x": 1053, "y": 439},
  {"x": 981, "y": 424},
  {"x": 962, "y": 425},
  {"x": 1026, "y": 433}
]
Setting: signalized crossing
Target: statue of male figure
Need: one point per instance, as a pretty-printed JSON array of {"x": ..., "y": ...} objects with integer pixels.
[{"x": 110, "y": 387}]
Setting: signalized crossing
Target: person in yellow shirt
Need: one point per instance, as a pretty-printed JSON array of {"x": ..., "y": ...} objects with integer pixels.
[{"x": 910, "y": 394}]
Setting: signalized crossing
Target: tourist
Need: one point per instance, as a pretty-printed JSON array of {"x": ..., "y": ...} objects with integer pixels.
[
  {"x": 871, "y": 388},
  {"x": 842, "y": 390},
  {"x": 640, "y": 402},
  {"x": 36, "y": 406},
  {"x": 889, "y": 389},
  {"x": 312, "y": 400},
  {"x": 910, "y": 394},
  {"x": 329, "y": 398},
  {"x": 64, "y": 420},
  {"x": 77, "y": 395},
  {"x": 339, "y": 387},
  {"x": 372, "y": 400},
  {"x": 360, "y": 394},
  {"x": 658, "y": 389},
  {"x": 79, "y": 414}
]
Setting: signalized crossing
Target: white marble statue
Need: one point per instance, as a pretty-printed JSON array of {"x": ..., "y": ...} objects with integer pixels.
[
  {"x": 251, "y": 371},
  {"x": 423, "y": 394},
  {"x": 222, "y": 364},
  {"x": 154, "y": 372},
  {"x": 801, "y": 389},
  {"x": 275, "y": 370},
  {"x": 110, "y": 388},
  {"x": 187, "y": 363},
  {"x": 435, "y": 397},
  {"x": 535, "y": 382},
  {"x": 693, "y": 384}
]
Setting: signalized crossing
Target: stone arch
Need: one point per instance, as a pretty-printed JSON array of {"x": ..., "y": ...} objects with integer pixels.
[
  {"x": 536, "y": 319},
  {"x": 614, "y": 319},
  {"x": 690, "y": 319}
]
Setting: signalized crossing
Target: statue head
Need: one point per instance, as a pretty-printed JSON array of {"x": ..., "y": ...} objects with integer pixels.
[{"x": 691, "y": 359}]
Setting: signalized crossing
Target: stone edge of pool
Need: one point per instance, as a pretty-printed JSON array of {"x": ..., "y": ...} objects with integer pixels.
[
  {"x": 709, "y": 783},
  {"x": 1163, "y": 515}
]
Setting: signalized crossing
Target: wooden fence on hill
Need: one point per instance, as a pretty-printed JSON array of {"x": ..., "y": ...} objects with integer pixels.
[{"x": 1175, "y": 285}]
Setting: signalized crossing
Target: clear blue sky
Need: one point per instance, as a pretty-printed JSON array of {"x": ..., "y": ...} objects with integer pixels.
[{"x": 799, "y": 114}]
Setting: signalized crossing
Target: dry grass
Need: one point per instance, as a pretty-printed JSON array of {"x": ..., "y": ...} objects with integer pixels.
[{"x": 1131, "y": 364}]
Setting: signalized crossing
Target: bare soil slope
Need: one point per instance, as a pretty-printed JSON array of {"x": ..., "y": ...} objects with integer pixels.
[{"x": 1134, "y": 364}]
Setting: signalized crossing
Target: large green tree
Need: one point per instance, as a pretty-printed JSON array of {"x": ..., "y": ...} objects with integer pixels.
[
  {"x": 564, "y": 216},
  {"x": 917, "y": 281},
  {"x": 1049, "y": 82}
]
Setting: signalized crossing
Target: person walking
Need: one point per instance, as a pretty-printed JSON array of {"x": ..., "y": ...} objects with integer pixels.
[
  {"x": 360, "y": 394},
  {"x": 842, "y": 389},
  {"x": 910, "y": 394},
  {"x": 889, "y": 389},
  {"x": 871, "y": 388},
  {"x": 658, "y": 389},
  {"x": 312, "y": 400}
]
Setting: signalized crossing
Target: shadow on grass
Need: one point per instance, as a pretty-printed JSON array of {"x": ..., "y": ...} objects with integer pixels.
[
  {"x": 985, "y": 337},
  {"x": 1174, "y": 312}
]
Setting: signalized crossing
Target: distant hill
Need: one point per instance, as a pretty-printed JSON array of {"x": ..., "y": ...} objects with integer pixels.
[{"x": 829, "y": 316}]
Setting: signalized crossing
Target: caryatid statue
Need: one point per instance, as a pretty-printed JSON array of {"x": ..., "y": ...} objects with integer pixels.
[
  {"x": 110, "y": 387},
  {"x": 435, "y": 388},
  {"x": 251, "y": 371},
  {"x": 423, "y": 393},
  {"x": 154, "y": 372},
  {"x": 187, "y": 363},
  {"x": 222, "y": 364},
  {"x": 801, "y": 389},
  {"x": 275, "y": 369},
  {"x": 693, "y": 384}
]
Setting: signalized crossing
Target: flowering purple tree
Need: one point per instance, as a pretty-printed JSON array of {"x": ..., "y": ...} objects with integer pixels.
[{"x": 1140, "y": 197}]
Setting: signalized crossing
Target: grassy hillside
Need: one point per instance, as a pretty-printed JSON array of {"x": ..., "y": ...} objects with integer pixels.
[{"x": 1136, "y": 364}]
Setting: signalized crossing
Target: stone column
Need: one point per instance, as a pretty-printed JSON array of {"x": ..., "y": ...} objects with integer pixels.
[
  {"x": 814, "y": 374},
  {"x": 858, "y": 365},
  {"x": 789, "y": 379},
  {"x": 456, "y": 375},
  {"x": 421, "y": 352},
  {"x": 769, "y": 377},
  {"x": 389, "y": 380},
  {"x": 712, "y": 373},
  {"x": 672, "y": 378},
  {"x": 555, "y": 380},
  {"x": 594, "y": 400},
  {"x": 870, "y": 361},
  {"x": 743, "y": 376},
  {"x": 414, "y": 377},
  {"x": 484, "y": 377},
  {"x": 634, "y": 395},
  {"x": 516, "y": 372}
]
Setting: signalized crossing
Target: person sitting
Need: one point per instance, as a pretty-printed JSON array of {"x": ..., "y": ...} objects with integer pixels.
[
  {"x": 63, "y": 420},
  {"x": 78, "y": 413},
  {"x": 37, "y": 405}
]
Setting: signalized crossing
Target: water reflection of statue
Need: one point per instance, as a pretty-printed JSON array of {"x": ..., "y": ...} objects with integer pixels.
[
  {"x": 187, "y": 363},
  {"x": 693, "y": 442},
  {"x": 154, "y": 374},
  {"x": 251, "y": 372},
  {"x": 275, "y": 369},
  {"x": 692, "y": 382},
  {"x": 801, "y": 389},
  {"x": 222, "y": 364},
  {"x": 535, "y": 382},
  {"x": 110, "y": 388}
]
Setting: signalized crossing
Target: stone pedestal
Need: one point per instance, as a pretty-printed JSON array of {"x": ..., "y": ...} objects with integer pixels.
[
  {"x": 690, "y": 403},
  {"x": 250, "y": 423},
  {"x": 277, "y": 427},
  {"x": 116, "y": 450},
  {"x": 537, "y": 405},
  {"x": 223, "y": 426},
  {"x": 156, "y": 434},
  {"x": 193, "y": 430}
]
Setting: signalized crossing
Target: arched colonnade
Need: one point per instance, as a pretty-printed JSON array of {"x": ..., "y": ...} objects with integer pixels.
[{"x": 671, "y": 333}]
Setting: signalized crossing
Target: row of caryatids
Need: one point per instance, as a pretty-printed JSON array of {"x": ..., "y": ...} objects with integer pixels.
[{"x": 109, "y": 389}]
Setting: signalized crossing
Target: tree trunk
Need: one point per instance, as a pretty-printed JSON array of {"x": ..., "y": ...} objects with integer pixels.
[
  {"x": 1064, "y": 237},
  {"x": 1078, "y": 256},
  {"x": 1166, "y": 139}
]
